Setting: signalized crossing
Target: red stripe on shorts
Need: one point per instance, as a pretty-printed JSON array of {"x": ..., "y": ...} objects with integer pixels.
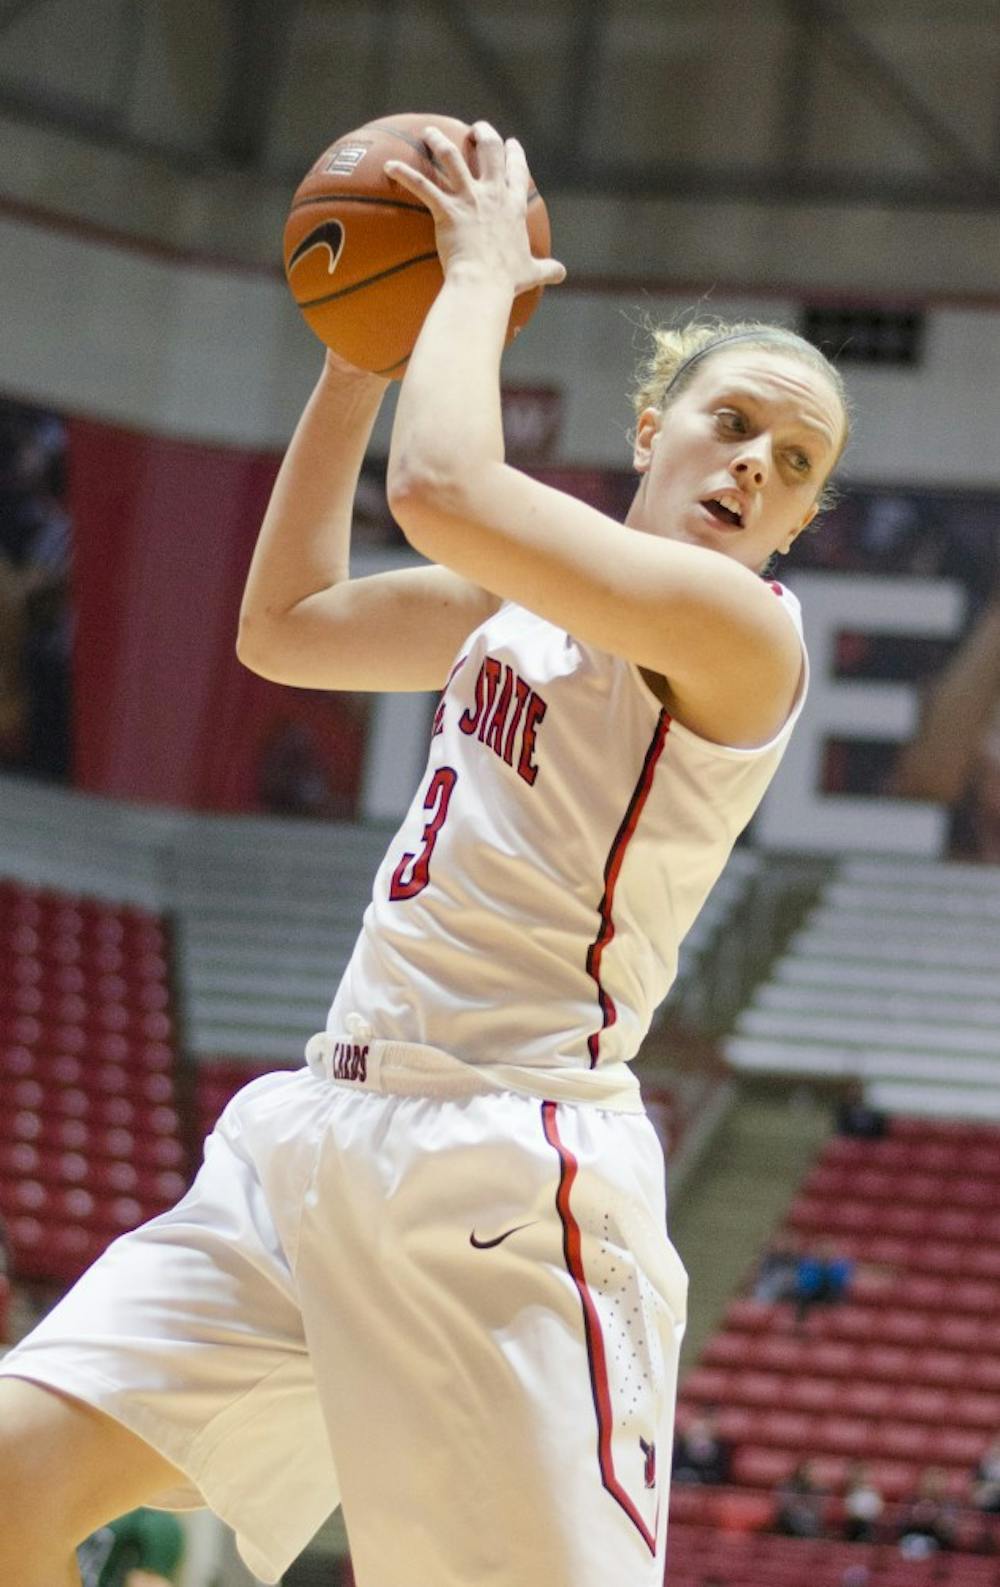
[
  {"x": 612, "y": 870},
  {"x": 596, "y": 1354}
]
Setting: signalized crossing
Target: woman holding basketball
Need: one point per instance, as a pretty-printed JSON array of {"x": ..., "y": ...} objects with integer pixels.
[{"x": 429, "y": 1273}]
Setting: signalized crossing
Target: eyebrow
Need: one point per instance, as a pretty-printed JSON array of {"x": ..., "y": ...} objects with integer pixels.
[{"x": 745, "y": 394}]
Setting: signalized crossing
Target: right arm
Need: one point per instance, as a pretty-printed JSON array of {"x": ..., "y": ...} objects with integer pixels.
[{"x": 304, "y": 620}]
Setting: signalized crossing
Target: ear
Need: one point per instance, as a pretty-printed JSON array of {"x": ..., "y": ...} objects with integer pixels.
[
  {"x": 793, "y": 534},
  {"x": 647, "y": 429}
]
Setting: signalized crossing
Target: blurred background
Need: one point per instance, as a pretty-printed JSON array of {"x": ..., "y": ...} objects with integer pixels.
[{"x": 186, "y": 850}]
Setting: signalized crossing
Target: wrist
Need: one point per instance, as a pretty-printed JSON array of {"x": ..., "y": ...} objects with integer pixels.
[
  {"x": 480, "y": 277},
  {"x": 341, "y": 376}
]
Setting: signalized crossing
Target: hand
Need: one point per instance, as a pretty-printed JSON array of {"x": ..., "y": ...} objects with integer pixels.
[{"x": 480, "y": 218}]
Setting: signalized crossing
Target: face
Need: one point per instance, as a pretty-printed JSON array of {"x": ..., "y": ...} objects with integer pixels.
[{"x": 737, "y": 460}]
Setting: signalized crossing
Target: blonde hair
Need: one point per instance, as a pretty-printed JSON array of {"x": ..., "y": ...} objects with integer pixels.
[{"x": 678, "y": 351}]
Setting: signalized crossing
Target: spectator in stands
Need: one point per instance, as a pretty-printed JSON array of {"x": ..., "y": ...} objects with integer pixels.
[
  {"x": 857, "y": 1117},
  {"x": 821, "y": 1279},
  {"x": 856, "y": 1576},
  {"x": 778, "y": 1269},
  {"x": 863, "y": 1505},
  {"x": 801, "y": 1504},
  {"x": 35, "y": 616},
  {"x": 778, "y": 1265},
  {"x": 928, "y": 1520},
  {"x": 142, "y": 1549},
  {"x": 292, "y": 779},
  {"x": 986, "y": 1480},
  {"x": 701, "y": 1454},
  {"x": 955, "y": 755}
]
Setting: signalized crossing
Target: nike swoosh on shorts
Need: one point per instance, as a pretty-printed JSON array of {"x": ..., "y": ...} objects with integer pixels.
[{"x": 484, "y": 1245}]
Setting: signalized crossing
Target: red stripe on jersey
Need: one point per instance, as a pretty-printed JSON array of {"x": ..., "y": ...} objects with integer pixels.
[
  {"x": 612, "y": 869},
  {"x": 596, "y": 1354}
]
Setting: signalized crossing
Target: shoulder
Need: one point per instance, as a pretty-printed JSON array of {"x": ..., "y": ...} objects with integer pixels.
[{"x": 747, "y": 707}]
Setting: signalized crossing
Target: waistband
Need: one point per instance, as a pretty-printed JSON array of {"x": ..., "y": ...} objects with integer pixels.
[{"x": 410, "y": 1069}]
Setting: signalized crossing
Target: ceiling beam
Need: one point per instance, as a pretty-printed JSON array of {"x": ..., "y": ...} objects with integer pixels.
[
  {"x": 898, "y": 94},
  {"x": 798, "y": 83},
  {"x": 493, "y": 67},
  {"x": 14, "y": 10},
  {"x": 259, "y": 32},
  {"x": 767, "y": 184},
  {"x": 585, "y": 34}
]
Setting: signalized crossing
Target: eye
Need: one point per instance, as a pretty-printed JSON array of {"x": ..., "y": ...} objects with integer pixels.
[
  {"x": 800, "y": 462},
  {"x": 732, "y": 421}
]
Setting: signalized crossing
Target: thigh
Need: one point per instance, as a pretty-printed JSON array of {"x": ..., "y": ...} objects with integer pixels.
[
  {"x": 500, "y": 1407},
  {"x": 187, "y": 1334},
  {"x": 67, "y": 1465}
]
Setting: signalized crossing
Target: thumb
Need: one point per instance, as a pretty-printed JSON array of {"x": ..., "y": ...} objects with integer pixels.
[{"x": 550, "y": 273}]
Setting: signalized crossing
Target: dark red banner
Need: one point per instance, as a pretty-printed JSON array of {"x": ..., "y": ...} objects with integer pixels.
[{"x": 163, "y": 711}]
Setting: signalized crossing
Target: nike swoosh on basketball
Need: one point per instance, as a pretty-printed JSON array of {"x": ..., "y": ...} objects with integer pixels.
[{"x": 484, "y": 1245}]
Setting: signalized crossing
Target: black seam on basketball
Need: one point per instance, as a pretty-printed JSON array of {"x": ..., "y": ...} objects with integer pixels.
[
  {"x": 358, "y": 286},
  {"x": 390, "y": 369},
  {"x": 365, "y": 198},
  {"x": 424, "y": 150},
  {"x": 416, "y": 144},
  {"x": 357, "y": 198}
]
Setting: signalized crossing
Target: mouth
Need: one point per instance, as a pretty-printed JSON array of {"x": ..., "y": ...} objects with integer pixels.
[{"x": 725, "y": 509}]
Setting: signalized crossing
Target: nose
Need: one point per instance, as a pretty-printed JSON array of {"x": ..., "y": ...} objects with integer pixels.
[{"x": 751, "y": 467}]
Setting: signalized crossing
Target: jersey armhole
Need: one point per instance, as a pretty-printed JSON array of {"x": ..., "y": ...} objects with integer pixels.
[{"x": 733, "y": 751}]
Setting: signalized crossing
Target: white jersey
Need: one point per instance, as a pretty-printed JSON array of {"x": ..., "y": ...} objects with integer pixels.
[{"x": 530, "y": 910}]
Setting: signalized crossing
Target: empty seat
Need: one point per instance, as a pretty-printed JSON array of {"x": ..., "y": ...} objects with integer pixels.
[
  {"x": 706, "y": 1384},
  {"x": 757, "y": 1466}
]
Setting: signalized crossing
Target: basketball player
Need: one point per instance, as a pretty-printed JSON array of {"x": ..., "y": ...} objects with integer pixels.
[{"x": 428, "y": 1275}]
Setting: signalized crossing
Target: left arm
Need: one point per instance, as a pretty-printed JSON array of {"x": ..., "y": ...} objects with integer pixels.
[{"x": 707, "y": 625}]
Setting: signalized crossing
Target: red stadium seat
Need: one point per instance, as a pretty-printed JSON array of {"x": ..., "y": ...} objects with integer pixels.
[
  {"x": 843, "y": 1435},
  {"x": 18, "y": 1159},
  {"x": 891, "y": 1363},
  {"x": 757, "y": 1466},
  {"x": 789, "y": 1429},
  {"x": 749, "y": 1387},
  {"x": 708, "y": 1385},
  {"x": 748, "y": 1315},
  {"x": 865, "y": 1398},
  {"x": 730, "y": 1350},
  {"x": 975, "y": 1409},
  {"x": 918, "y": 1403},
  {"x": 899, "y": 1440},
  {"x": 814, "y": 1394},
  {"x": 899, "y": 1327}
]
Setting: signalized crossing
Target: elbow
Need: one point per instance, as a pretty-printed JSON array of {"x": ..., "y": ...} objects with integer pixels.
[
  {"x": 252, "y": 650},
  {"x": 424, "y": 500}
]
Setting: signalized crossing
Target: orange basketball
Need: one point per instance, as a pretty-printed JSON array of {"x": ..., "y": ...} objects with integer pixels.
[{"x": 359, "y": 250}]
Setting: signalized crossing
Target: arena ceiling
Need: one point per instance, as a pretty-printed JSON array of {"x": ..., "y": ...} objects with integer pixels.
[{"x": 789, "y": 101}]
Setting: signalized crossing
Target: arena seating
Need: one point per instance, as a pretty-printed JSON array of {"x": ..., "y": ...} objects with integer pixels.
[
  {"x": 892, "y": 978},
  {"x": 697, "y": 1553},
  {"x": 217, "y": 1082},
  {"x": 90, "y": 1136},
  {"x": 904, "y": 1373}
]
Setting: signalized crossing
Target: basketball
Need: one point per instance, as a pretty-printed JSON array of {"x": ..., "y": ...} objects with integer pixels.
[{"x": 359, "y": 251}]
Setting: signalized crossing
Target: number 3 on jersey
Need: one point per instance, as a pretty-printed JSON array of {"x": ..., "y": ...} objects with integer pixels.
[{"x": 442, "y": 786}]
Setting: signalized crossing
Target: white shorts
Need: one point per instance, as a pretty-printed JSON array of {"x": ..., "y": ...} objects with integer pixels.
[{"x": 458, "y": 1315}]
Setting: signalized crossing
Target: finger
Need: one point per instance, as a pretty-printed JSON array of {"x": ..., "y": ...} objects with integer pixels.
[
  {"x": 551, "y": 273},
  {"x": 416, "y": 183},
  {"x": 489, "y": 149},
  {"x": 518, "y": 175},
  {"x": 448, "y": 160}
]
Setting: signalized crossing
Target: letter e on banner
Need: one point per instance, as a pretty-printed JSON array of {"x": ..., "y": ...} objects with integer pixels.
[{"x": 795, "y": 813}]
